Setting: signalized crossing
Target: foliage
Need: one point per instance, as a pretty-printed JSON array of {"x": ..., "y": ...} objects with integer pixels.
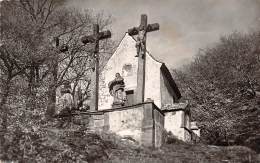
[
  {"x": 66, "y": 145},
  {"x": 30, "y": 51},
  {"x": 223, "y": 84},
  {"x": 45, "y": 145},
  {"x": 34, "y": 63}
]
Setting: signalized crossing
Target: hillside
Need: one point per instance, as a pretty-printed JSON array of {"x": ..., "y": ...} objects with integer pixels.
[{"x": 66, "y": 145}]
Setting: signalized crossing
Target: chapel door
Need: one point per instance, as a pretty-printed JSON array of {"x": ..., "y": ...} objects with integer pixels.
[{"x": 129, "y": 97}]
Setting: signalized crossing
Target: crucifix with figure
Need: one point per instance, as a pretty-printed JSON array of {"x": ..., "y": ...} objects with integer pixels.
[
  {"x": 141, "y": 53},
  {"x": 95, "y": 38}
]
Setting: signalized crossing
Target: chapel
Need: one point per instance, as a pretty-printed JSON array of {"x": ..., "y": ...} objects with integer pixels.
[{"x": 146, "y": 122}]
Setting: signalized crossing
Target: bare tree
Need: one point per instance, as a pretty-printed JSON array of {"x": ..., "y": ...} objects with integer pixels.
[{"x": 28, "y": 29}]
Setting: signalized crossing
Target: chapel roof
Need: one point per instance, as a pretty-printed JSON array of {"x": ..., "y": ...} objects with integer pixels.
[{"x": 163, "y": 68}]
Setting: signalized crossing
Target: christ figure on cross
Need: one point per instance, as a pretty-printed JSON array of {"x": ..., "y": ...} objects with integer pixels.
[
  {"x": 140, "y": 44},
  {"x": 141, "y": 51}
]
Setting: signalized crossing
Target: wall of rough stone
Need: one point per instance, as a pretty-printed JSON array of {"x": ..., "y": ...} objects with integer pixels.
[
  {"x": 144, "y": 123},
  {"x": 127, "y": 123},
  {"x": 148, "y": 130},
  {"x": 160, "y": 131},
  {"x": 153, "y": 132},
  {"x": 97, "y": 122}
]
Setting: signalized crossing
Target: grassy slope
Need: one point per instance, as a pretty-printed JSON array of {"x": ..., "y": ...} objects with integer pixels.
[
  {"x": 180, "y": 152},
  {"x": 58, "y": 145}
]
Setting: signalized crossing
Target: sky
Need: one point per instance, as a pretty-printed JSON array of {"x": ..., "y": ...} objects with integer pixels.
[{"x": 185, "y": 25}]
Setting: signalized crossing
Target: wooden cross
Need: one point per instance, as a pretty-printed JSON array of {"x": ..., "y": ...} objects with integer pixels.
[
  {"x": 54, "y": 66},
  {"x": 94, "y": 38},
  {"x": 141, "y": 53}
]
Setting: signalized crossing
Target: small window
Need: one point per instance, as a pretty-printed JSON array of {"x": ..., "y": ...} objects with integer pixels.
[
  {"x": 127, "y": 70},
  {"x": 129, "y": 97}
]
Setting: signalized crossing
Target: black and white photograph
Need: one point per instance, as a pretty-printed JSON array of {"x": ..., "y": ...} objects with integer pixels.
[{"x": 129, "y": 81}]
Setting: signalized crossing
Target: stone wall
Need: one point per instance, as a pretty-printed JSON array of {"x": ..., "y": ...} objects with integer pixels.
[
  {"x": 160, "y": 131},
  {"x": 126, "y": 122},
  {"x": 178, "y": 123},
  {"x": 153, "y": 131},
  {"x": 143, "y": 122},
  {"x": 174, "y": 123}
]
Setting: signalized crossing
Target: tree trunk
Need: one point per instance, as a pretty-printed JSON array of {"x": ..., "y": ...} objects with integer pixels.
[
  {"x": 4, "y": 100},
  {"x": 51, "y": 101},
  {"x": 52, "y": 92},
  {"x": 4, "y": 109},
  {"x": 31, "y": 103}
]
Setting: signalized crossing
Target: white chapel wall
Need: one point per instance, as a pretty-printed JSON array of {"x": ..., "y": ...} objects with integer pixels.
[
  {"x": 121, "y": 60},
  {"x": 173, "y": 122},
  {"x": 152, "y": 80},
  {"x": 124, "y": 55}
]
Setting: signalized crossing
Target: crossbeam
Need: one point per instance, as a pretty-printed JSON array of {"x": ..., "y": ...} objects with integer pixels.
[
  {"x": 149, "y": 28},
  {"x": 96, "y": 36},
  {"x": 141, "y": 31}
]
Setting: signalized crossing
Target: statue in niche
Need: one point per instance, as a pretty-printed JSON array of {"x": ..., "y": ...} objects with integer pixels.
[{"x": 117, "y": 90}]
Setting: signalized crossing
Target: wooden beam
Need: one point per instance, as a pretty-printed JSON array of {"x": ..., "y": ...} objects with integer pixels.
[{"x": 95, "y": 38}]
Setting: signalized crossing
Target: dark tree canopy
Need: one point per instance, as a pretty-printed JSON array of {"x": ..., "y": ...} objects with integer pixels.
[{"x": 223, "y": 86}]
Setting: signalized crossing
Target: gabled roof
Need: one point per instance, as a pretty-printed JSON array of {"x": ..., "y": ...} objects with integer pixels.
[
  {"x": 173, "y": 85},
  {"x": 163, "y": 68}
]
